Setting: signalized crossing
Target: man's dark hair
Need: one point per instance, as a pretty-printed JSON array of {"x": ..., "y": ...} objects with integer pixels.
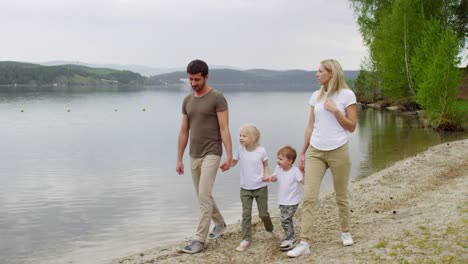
[{"x": 197, "y": 66}]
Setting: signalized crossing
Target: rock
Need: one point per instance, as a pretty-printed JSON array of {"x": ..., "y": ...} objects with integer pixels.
[{"x": 393, "y": 108}]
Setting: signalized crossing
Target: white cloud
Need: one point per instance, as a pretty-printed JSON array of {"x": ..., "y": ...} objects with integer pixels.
[{"x": 275, "y": 34}]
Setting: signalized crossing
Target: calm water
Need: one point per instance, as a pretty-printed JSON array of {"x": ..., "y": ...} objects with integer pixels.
[{"x": 98, "y": 182}]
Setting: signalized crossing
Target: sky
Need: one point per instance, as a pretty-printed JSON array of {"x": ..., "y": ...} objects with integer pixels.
[{"x": 247, "y": 34}]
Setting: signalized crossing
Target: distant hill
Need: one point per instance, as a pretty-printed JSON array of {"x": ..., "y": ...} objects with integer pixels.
[
  {"x": 18, "y": 73},
  {"x": 254, "y": 79},
  {"x": 141, "y": 69}
]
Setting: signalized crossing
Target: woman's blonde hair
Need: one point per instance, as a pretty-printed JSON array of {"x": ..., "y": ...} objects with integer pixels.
[
  {"x": 251, "y": 130},
  {"x": 337, "y": 80}
]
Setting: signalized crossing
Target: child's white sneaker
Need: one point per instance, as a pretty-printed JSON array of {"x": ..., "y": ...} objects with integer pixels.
[
  {"x": 244, "y": 244},
  {"x": 287, "y": 244},
  {"x": 347, "y": 239},
  {"x": 301, "y": 249}
]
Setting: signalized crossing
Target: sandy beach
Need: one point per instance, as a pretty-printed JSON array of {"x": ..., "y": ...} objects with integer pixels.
[{"x": 415, "y": 211}]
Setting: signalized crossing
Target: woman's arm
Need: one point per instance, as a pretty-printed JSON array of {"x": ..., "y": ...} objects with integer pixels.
[
  {"x": 308, "y": 134},
  {"x": 347, "y": 121}
]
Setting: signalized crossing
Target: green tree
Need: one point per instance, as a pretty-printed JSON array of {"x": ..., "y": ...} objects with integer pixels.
[
  {"x": 368, "y": 83},
  {"x": 438, "y": 78},
  {"x": 392, "y": 29}
]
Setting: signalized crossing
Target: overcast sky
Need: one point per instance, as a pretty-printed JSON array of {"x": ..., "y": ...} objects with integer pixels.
[{"x": 270, "y": 34}]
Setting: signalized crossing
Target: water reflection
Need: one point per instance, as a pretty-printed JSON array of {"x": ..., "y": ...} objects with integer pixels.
[
  {"x": 388, "y": 137},
  {"x": 92, "y": 184}
]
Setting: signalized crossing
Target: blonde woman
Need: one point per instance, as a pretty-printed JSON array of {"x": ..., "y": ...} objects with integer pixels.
[
  {"x": 332, "y": 117},
  {"x": 254, "y": 177}
]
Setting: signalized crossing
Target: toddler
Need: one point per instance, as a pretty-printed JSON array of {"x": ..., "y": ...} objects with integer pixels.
[{"x": 289, "y": 179}]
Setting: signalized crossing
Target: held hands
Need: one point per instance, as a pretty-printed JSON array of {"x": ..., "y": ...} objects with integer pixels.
[
  {"x": 180, "y": 168},
  {"x": 269, "y": 179},
  {"x": 226, "y": 165}
]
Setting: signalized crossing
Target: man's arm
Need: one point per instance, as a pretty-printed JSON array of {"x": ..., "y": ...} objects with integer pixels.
[
  {"x": 182, "y": 144},
  {"x": 223, "y": 119}
]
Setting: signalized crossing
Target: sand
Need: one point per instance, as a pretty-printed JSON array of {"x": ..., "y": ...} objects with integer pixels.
[{"x": 415, "y": 211}]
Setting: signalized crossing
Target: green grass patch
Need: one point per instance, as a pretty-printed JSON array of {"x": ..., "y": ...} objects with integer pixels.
[
  {"x": 427, "y": 244},
  {"x": 382, "y": 244},
  {"x": 398, "y": 246}
]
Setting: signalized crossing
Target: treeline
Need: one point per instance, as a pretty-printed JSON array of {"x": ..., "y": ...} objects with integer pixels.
[
  {"x": 414, "y": 48},
  {"x": 17, "y": 73}
]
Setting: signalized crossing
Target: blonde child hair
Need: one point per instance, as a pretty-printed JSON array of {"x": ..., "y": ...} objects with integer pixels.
[{"x": 251, "y": 130}]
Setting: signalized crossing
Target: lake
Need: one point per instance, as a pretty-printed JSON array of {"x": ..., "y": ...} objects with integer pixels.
[{"x": 90, "y": 176}]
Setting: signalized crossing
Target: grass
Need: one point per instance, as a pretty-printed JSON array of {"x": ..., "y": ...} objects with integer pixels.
[
  {"x": 381, "y": 244},
  {"x": 427, "y": 244}
]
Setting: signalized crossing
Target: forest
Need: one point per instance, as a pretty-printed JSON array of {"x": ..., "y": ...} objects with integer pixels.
[{"x": 414, "y": 56}]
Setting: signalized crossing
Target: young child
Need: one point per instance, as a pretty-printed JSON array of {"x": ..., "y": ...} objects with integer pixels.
[
  {"x": 289, "y": 178},
  {"x": 254, "y": 174}
]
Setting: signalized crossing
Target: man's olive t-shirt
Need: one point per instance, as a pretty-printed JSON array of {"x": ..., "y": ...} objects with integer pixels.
[{"x": 205, "y": 137}]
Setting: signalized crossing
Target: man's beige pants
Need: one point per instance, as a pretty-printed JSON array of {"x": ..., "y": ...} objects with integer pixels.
[{"x": 204, "y": 174}]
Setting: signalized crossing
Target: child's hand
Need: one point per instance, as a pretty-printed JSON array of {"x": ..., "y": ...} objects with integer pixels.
[
  {"x": 273, "y": 179},
  {"x": 266, "y": 179}
]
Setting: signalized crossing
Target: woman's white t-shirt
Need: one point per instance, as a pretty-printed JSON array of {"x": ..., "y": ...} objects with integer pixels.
[
  {"x": 289, "y": 182},
  {"x": 251, "y": 167},
  {"x": 328, "y": 134}
]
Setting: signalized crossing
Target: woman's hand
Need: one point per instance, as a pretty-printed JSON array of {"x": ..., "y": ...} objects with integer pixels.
[
  {"x": 330, "y": 106},
  {"x": 302, "y": 162}
]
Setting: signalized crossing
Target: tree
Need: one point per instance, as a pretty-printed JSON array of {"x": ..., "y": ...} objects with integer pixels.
[
  {"x": 438, "y": 77},
  {"x": 368, "y": 83},
  {"x": 392, "y": 29}
]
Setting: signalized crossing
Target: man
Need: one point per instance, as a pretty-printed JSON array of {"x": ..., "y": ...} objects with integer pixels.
[{"x": 205, "y": 116}]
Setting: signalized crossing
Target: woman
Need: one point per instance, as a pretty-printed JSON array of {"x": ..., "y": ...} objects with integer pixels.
[{"x": 332, "y": 117}]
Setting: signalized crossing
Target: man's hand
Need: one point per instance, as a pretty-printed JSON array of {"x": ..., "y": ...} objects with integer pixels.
[
  {"x": 226, "y": 165},
  {"x": 180, "y": 168}
]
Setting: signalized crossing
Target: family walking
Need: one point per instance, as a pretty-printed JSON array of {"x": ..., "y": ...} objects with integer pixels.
[{"x": 205, "y": 126}]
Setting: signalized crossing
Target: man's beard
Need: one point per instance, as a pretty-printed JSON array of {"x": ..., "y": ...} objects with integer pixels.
[{"x": 199, "y": 87}]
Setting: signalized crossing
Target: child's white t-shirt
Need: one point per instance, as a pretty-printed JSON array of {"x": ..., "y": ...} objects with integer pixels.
[
  {"x": 328, "y": 134},
  {"x": 251, "y": 167},
  {"x": 289, "y": 182}
]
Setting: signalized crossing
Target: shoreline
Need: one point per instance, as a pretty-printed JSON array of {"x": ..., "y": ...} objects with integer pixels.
[{"x": 415, "y": 210}]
